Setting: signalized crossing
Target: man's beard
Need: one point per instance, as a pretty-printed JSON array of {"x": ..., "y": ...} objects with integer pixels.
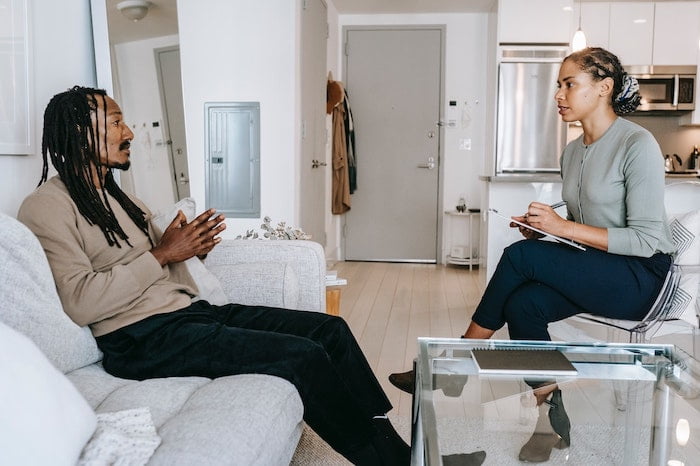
[{"x": 121, "y": 166}]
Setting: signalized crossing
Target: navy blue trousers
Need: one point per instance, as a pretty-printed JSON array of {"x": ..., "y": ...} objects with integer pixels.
[
  {"x": 538, "y": 282},
  {"x": 316, "y": 352}
]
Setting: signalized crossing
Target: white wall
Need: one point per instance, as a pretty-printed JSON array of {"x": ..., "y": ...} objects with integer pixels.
[
  {"x": 465, "y": 82},
  {"x": 63, "y": 56},
  {"x": 137, "y": 89},
  {"x": 238, "y": 50}
]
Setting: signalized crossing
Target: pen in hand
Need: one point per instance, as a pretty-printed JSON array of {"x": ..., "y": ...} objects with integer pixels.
[{"x": 556, "y": 205}]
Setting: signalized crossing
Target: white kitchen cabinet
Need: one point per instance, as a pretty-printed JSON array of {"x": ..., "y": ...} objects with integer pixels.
[
  {"x": 676, "y": 33},
  {"x": 632, "y": 32},
  {"x": 535, "y": 21},
  {"x": 595, "y": 22}
]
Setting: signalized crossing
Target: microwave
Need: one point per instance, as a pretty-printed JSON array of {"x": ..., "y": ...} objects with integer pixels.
[{"x": 665, "y": 88}]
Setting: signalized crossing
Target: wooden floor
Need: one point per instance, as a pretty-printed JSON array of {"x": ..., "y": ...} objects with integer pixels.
[{"x": 389, "y": 305}]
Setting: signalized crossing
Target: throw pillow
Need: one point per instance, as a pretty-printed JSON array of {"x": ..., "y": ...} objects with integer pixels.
[
  {"x": 209, "y": 286},
  {"x": 30, "y": 303},
  {"x": 685, "y": 303},
  {"x": 43, "y": 420},
  {"x": 685, "y": 229}
]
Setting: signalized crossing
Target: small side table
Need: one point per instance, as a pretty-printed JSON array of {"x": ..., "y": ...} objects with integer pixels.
[
  {"x": 333, "y": 284},
  {"x": 471, "y": 259}
]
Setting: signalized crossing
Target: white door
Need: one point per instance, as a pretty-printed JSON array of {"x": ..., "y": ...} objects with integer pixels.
[
  {"x": 170, "y": 84},
  {"x": 393, "y": 79},
  {"x": 313, "y": 114}
]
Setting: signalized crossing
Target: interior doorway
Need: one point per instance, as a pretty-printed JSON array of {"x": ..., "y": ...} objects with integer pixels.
[
  {"x": 170, "y": 86},
  {"x": 393, "y": 76}
]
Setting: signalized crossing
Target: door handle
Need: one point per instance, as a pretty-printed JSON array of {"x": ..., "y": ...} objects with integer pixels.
[
  {"x": 315, "y": 164},
  {"x": 429, "y": 165}
]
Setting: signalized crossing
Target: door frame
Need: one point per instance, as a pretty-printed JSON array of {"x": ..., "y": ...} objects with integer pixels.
[
  {"x": 313, "y": 133},
  {"x": 166, "y": 119},
  {"x": 439, "y": 125}
]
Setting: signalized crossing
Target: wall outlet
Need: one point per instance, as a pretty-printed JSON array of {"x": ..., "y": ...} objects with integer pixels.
[{"x": 465, "y": 144}]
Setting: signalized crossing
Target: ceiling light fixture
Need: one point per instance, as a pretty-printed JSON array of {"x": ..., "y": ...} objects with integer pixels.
[
  {"x": 134, "y": 10},
  {"x": 579, "y": 40}
]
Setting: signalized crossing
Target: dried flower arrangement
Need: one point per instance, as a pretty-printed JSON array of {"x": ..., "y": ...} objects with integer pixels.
[{"x": 281, "y": 231}]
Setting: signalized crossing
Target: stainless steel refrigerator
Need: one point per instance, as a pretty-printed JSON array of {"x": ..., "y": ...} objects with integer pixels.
[{"x": 530, "y": 133}]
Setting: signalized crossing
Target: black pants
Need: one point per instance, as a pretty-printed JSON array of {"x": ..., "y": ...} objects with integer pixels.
[
  {"x": 538, "y": 282},
  {"x": 315, "y": 352}
]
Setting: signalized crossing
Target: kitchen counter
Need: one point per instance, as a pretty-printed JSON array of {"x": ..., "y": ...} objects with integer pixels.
[
  {"x": 687, "y": 175},
  {"x": 523, "y": 178},
  {"x": 556, "y": 177}
]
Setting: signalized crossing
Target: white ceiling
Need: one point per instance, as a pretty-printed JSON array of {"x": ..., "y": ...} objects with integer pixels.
[
  {"x": 412, "y": 6},
  {"x": 161, "y": 20}
]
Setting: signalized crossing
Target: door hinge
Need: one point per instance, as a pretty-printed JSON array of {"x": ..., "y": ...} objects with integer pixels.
[
  {"x": 303, "y": 129},
  {"x": 347, "y": 49},
  {"x": 328, "y": 31},
  {"x": 345, "y": 230},
  {"x": 304, "y": 4}
]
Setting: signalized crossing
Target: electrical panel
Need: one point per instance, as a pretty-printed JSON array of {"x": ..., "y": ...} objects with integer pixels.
[{"x": 232, "y": 139}]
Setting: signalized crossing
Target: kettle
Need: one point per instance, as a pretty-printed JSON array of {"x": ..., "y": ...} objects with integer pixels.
[{"x": 670, "y": 162}]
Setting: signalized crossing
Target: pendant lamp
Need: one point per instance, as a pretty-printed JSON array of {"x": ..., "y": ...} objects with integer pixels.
[{"x": 579, "y": 40}]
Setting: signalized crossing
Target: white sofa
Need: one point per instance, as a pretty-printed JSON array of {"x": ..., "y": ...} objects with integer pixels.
[{"x": 243, "y": 420}]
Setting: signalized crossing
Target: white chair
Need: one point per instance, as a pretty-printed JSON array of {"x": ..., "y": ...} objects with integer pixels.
[{"x": 680, "y": 198}]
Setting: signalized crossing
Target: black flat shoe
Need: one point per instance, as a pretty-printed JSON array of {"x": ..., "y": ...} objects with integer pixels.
[
  {"x": 404, "y": 381},
  {"x": 464, "y": 459},
  {"x": 558, "y": 417},
  {"x": 450, "y": 384}
]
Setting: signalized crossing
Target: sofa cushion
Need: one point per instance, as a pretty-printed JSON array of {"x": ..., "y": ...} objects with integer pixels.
[
  {"x": 43, "y": 419},
  {"x": 259, "y": 284},
  {"x": 209, "y": 287},
  {"x": 241, "y": 419},
  {"x": 31, "y": 305},
  {"x": 256, "y": 420},
  {"x": 685, "y": 229}
]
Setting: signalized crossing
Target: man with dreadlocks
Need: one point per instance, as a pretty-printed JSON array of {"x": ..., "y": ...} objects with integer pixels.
[{"x": 131, "y": 287}]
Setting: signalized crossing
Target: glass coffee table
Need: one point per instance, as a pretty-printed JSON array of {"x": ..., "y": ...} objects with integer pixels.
[{"x": 627, "y": 404}]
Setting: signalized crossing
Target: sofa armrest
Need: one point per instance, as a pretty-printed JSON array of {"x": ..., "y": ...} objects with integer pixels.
[{"x": 305, "y": 258}]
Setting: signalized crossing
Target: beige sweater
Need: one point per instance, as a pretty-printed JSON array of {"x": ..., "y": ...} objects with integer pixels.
[{"x": 102, "y": 286}]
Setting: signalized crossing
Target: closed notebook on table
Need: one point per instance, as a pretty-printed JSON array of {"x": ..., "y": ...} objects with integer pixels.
[{"x": 522, "y": 361}]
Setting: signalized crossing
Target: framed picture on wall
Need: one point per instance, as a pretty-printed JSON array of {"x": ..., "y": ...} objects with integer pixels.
[{"x": 16, "y": 89}]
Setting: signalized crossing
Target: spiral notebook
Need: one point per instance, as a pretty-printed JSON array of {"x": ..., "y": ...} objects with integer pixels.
[{"x": 522, "y": 361}]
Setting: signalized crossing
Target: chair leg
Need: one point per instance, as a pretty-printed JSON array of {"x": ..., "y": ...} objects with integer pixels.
[
  {"x": 620, "y": 391},
  {"x": 619, "y": 387}
]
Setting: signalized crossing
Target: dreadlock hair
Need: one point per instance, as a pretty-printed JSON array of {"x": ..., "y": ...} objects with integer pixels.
[
  {"x": 71, "y": 141},
  {"x": 601, "y": 64}
]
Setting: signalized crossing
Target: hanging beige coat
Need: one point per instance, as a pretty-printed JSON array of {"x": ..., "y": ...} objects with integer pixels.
[{"x": 341, "y": 179}]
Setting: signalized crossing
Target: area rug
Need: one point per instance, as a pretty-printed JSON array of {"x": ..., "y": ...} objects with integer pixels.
[{"x": 590, "y": 444}]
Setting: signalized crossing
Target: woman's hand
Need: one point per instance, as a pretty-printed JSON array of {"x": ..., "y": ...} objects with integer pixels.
[
  {"x": 543, "y": 217},
  {"x": 526, "y": 232},
  {"x": 182, "y": 240}
]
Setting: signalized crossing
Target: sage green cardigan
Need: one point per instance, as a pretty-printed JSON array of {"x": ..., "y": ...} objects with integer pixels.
[{"x": 618, "y": 183}]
